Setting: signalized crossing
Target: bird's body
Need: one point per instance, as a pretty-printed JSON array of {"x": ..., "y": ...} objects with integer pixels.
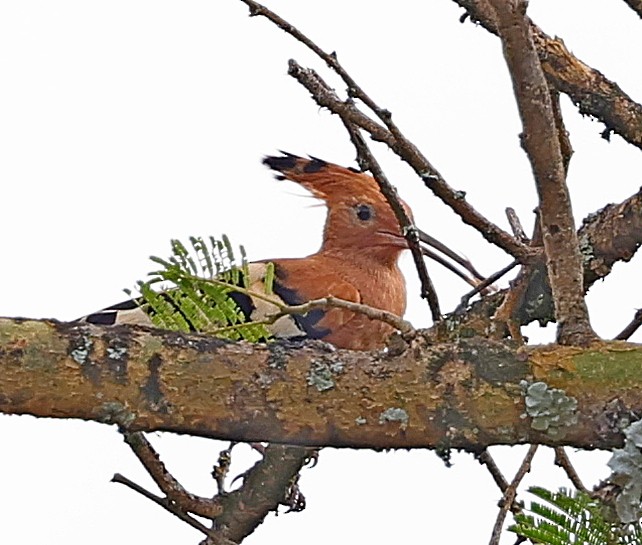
[
  {"x": 357, "y": 262},
  {"x": 345, "y": 277}
]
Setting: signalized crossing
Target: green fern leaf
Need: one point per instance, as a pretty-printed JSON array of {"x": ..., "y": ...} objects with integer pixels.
[
  {"x": 188, "y": 299},
  {"x": 572, "y": 518}
]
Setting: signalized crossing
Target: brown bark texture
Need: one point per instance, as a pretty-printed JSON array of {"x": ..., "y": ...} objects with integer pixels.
[
  {"x": 469, "y": 394},
  {"x": 542, "y": 144},
  {"x": 588, "y": 88}
]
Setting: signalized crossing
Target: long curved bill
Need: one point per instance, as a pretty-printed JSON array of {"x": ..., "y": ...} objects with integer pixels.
[{"x": 474, "y": 278}]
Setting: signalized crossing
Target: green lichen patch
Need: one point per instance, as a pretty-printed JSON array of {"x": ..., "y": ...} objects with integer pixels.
[
  {"x": 626, "y": 464},
  {"x": 394, "y": 414},
  {"x": 550, "y": 409},
  {"x": 321, "y": 374}
]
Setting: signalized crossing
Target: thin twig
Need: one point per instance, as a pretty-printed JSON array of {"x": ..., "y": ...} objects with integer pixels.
[
  {"x": 483, "y": 285},
  {"x": 168, "y": 505},
  {"x": 507, "y": 502},
  {"x": 516, "y": 225},
  {"x": 542, "y": 142},
  {"x": 222, "y": 468},
  {"x": 174, "y": 491},
  {"x": 444, "y": 263},
  {"x": 635, "y": 324},
  {"x": 324, "y": 303},
  {"x": 325, "y": 97},
  {"x": 562, "y": 460},
  {"x": 566, "y": 148},
  {"x": 354, "y": 89},
  {"x": 366, "y": 160},
  {"x": 332, "y": 302},
  {"x": 284, "y": 309},
  {"x": 487, "y": 460}
]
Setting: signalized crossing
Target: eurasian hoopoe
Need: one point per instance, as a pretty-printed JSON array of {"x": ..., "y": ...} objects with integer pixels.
[{"x": 357, "y": 262}]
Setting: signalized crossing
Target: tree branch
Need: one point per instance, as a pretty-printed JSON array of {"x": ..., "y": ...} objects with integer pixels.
[
  {"x": 631, "y": 328},
  {"x": 168, "y": 505},
  {"x": 541, "y": 141},
  {"x": 173, "y": 490},
  {"x": 588, "y": 88},
  {"x": 607, "y": 236},
  {"x": 367, "y": 161},
  {"x": 265, "y": 487},
  {"x": 636, "y": 6},
  {"x": 465, "y": 395},
  {"x": 507, "y": 502},
  {"x": 562, "y": 460},
  {"x": 610, "y": 235}
]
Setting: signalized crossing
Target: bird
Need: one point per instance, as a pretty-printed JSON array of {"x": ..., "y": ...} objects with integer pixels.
[{"x": 357, "y": 262}]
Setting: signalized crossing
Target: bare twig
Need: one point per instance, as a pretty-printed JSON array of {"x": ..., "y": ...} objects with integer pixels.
[
  {"x": 174, "y": 491},
  {"x": 566, "y": 148},
  {"x": 483, "y": 285},
  {"x": 168, "y": 505},
  {"x": 562, "y": 460},
  {"x": 354, "y": 90},
  {"x": 542, "y": 144},
  {"x": 329, "y": 302},
  {"x": 516, "y": 225},
  {"x": 487, "y": 460},
  {"x": 467, "y": 265},
  {"x": 367, "y": 161},
  {"x": 222, "y": 467},
  {"x": 507, "y": 502},
  {"x": 633, "y": 326},
  {"x": 474, "y": 281}
]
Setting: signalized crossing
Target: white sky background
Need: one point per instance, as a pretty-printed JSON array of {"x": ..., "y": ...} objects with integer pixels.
[{"x": 126, "y": 123}]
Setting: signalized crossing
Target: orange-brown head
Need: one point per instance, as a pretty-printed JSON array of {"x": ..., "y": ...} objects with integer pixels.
[{"x": 360, "y": 220}]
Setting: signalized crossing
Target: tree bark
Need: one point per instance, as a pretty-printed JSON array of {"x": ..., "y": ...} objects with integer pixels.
[
  {"x": 588, "y": 88},
  {"x": 468, "y": 394}
]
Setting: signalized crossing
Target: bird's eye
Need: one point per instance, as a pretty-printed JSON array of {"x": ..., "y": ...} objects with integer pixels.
[{"x": 364, "y": 212}]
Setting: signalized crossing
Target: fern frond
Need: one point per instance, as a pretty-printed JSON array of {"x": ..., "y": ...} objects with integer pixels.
[
  {"x": 572, "y": 518},
  {"x": 195, "y": 294}
]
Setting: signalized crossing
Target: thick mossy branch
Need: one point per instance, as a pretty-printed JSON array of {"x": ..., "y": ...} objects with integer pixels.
[{"x": 468, "y": 395}]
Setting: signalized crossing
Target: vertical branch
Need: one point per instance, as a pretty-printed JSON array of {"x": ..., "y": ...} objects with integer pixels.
[{"x": 542, "y": 143}]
